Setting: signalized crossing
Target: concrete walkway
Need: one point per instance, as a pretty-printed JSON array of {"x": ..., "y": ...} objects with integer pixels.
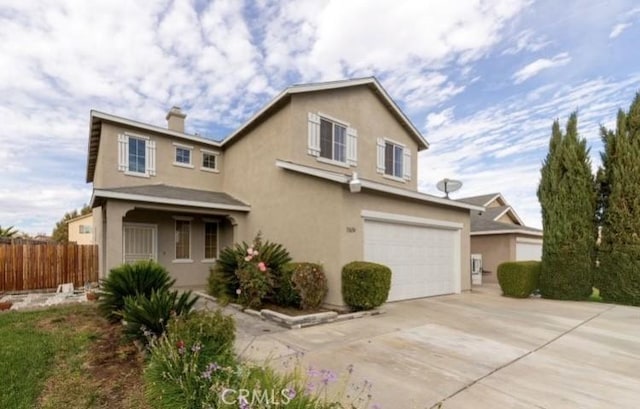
[{"x": 474, "y": 350}]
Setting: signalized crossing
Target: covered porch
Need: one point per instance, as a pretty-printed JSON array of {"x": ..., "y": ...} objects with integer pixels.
[{"x": 182, "y": 229}]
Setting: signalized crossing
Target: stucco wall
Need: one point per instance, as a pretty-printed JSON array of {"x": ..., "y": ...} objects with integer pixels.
[
  {"x": 74, "y": 234},
  {"x": 362, "y": 110},
  {"x": 107, "y": 174},
  {"x": 495, "y": 249}
]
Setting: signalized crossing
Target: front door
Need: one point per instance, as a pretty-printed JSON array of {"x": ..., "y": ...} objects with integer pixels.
[{"x": 139, "y": 242}]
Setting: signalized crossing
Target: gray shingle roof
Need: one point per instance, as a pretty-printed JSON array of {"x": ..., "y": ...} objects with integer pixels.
[
  {"x": 478, "y": 200},
  {"x": 180, "y": 193},
  {"x": 485, "y": 222}
]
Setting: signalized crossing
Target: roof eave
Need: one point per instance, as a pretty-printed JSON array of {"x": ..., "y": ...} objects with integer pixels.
[
  {"x": 513, "y": 231},
  {"x": 108, "y": 194},
  {"x": 378, "y": 187},
  {"x": 298, "y": 89}
]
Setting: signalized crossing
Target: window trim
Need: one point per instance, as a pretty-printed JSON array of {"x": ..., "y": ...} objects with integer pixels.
[
  {"x": 204, "y": 240},
  {"x": 177, "y": 219},
  {"x": 334, "y": 122},
  {"x": 189, "y": 148},
  {"x": 393, "y": 176},
  {"x": 146, "y": 140},
  {"x": 209, "y": 152}
]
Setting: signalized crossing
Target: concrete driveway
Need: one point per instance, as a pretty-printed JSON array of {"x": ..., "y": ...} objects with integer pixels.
[{"x": 476, "y": 350}]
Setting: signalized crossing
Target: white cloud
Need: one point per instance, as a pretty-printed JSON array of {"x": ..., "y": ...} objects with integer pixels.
[
  {"x": 501, "y": 147},
  {"x": 527, "y": 40},
  {"x": 539, "y": 65},
  {"x": 618, "y": 29},
  {"x": 438, "y": 119}
]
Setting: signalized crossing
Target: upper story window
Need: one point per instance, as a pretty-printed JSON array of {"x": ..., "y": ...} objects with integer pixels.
[
  {"x": 84, "y": 229},
  {"x": 136, "y": 155},
  {"x": 394, "y": 160},
  {"x": 183, "y": 155},
  {"x": 209, "y": 161},
  {"x": 393, "y": 156},
  {"x": 332, "y": 141}
]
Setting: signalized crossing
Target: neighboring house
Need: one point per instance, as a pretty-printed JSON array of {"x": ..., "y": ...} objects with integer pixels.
[
  {"x": 80, "y": 229},
  {"x": 499, "y": 235},
  {"x": 329, "y": 170}
]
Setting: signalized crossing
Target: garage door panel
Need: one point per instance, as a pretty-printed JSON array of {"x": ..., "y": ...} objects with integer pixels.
[
  {"x": 423, "y": 259},
  {"x": 528, "y": 250}
]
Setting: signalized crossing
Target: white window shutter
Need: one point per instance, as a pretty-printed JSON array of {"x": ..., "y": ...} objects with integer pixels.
[
  {"x": 314, "y": 134},
  {"x": 407, "y": 163},
  {"x": 123, "y": 152},
  {"x": 352, "y": 146},
  {"x": 151, "y": 158},
  {"x": 380, "y": 160}
]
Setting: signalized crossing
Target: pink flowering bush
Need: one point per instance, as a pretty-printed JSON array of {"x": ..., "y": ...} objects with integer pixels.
[{"x": 235, "y": 274}]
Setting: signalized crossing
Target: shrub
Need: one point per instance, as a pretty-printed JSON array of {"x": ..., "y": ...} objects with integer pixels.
[
  {"x": 365, "y": 285},
  {"x": 255, "y": 283},
  {"x": 183, "y": 364},
  {"x": 232, "y": 258},
  {"x": 218, "y": 284},
  {"x": 310, "y": 283},
  {"x": 130, "y": 280},
  {"x": 519, "y": 278},
  {"x": 149, "y": 315},
  {"x": 285, "y": 293}
]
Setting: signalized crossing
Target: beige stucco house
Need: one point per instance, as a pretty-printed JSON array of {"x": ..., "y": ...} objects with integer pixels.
[
  {"x": 329, "y": 170},
  {"x": 499, "y": 235},
  {"x": 80, "y": 229}
]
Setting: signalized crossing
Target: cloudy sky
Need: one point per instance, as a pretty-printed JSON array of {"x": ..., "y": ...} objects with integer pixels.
[{"x": 483, "y": 80}]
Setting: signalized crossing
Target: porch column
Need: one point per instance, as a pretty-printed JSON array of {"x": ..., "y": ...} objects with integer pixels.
[{"x": 113, "y": 251}]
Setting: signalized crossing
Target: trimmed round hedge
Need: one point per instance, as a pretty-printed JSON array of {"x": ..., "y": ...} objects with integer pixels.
[
  {"x": 519, "y": 278},
  {"x": 365, "y": 285}
]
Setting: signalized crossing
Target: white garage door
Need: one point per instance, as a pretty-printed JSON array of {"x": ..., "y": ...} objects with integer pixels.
[
  {"x": 424, "y": 260},
  {"x": 528, "y": 249}
]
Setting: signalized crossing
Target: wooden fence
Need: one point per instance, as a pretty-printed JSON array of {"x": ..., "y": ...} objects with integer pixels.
[{"x": 43, "y": 266}]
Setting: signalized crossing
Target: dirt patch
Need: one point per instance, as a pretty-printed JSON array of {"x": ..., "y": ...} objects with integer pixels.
[
  {"x": 105, "y": 371},
  {"x": 116, "y": 366}
]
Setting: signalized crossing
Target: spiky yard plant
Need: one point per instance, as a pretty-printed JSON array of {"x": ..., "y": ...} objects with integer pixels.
[
  {"x": 146, "y": 316},
  {"x": 131, "y": 280}
]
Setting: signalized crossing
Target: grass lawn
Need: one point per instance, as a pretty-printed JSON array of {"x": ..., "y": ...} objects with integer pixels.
[{"x": 67, "y": 357}]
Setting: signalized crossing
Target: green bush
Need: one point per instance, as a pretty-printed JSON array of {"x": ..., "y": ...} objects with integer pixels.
[
  {"x": 519, "y": 278},
  {"x": 365, "y": 285},
  {"x": 310, "y": 282},
  {"x": 255, "y": 284},
  {"x": 621, "y": 282},
  {"x": 232, "y": 258},
  {"x": 147, "y": 316},
  {"x": 218, "y": 284},
  {"x": 130, "y": 280},
  {"x": 195, "y": 353},
  {"x": 284, "y": 290}
]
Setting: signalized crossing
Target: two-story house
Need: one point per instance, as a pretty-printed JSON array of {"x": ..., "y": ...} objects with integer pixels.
[{"x": 329, "y": 170}]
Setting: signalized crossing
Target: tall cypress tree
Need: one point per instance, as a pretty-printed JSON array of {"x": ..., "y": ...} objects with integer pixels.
[
  {"x": 618, "y": 274},
  {"x": 567, "y": 197}
]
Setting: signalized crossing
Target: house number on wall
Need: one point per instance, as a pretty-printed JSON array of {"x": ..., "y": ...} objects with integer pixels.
[{"x": 351, "y": 229}]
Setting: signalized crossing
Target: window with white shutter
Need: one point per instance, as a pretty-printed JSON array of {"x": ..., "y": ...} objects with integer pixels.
[
  {"x": 332, "y": 141},
  {"x": 136, "y": 155},
  {"x": 394, "y": 159},
  {"x": 314, "y": 134}
]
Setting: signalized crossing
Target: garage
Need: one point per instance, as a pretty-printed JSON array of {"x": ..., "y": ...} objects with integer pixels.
[
  {"x": 423, "y": 254},
  {"x": 528, "y": 249}
]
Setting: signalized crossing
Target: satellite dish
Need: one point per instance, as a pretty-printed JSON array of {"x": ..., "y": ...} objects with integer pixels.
[{"x": 448, "y": 185}]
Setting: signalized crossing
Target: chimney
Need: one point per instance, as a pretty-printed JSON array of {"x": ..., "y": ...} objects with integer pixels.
[{"x": 175, "y": 119}]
